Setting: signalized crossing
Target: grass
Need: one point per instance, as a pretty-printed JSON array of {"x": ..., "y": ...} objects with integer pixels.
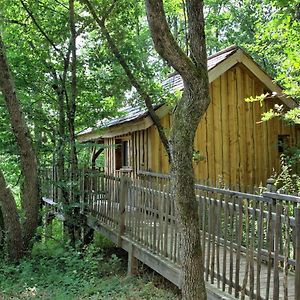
[{"x": 58, "y": 272}]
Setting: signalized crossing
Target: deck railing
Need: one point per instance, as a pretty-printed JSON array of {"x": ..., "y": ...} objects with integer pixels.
[{"x": 251, "y": 243}]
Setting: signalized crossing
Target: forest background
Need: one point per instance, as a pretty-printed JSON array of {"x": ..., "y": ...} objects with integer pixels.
[{"x": 60, "y": 95}]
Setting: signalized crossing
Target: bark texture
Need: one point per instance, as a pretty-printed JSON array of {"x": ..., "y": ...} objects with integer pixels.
[
  {"x": 189, "y": 110},
  {"x": 11, "y": 220},
  {"x": 30, "y": 184},
  {"x": 2, "y": 231},
  {"x": 74, "y": 229}
]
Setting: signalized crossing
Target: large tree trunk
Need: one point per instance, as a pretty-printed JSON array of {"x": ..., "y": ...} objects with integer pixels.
[
  {"x": 30, "y": 184},
  {"x": 190, "y": 108},
  {"x": 2, "y": 231},
  {"x": 11, "y": 220},
  {"x": 182, "y": 139},
  {"x": 74, "y": 196}
]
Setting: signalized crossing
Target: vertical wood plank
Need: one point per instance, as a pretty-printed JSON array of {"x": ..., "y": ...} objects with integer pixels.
[
  {"x": 241, "y": 126},
  {"x": 225, "y": 129},
  {"x": 233, "y": 128},
  {"x": 210, "y": 140},
  {"x": 218, "y": 129}
]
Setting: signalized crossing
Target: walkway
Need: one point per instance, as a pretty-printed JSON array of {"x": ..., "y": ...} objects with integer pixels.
[{"x": 249, "y": 241}]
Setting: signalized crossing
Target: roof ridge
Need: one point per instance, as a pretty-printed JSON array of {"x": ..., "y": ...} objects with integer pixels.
[{"x": 231, "y": 47}]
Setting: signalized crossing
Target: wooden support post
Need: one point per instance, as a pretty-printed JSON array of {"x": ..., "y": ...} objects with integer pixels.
[
  {"x": 132, "y": 262},
  {"x": 271, "y": 185},
  {"x": 272, "y": 189},
  {"x": 123, "y": 202},
  {"x": 297, "y": 253}
]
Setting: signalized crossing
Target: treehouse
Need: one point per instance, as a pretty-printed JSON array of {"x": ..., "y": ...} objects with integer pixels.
[{"x": 232, "y": 145}]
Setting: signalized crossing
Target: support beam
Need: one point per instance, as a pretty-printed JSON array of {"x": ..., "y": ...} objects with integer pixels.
[{"x": 132, "y": 262}]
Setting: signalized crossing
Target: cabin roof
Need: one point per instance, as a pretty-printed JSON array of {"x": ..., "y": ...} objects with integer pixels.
[
  {"x": 217, "y": 64},
  {"x": 128, "y": 113},
  {"x": 175, "y": 82}
]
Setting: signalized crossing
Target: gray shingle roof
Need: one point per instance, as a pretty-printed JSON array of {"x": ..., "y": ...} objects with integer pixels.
[{"x": 173, "y": 83}]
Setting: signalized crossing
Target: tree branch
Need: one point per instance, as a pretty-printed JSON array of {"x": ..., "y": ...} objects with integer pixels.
[
  {"x": 164, "y": 42},
  {"x": 133, "y": 80},
  {"x": 2, "y": 18},
  {"x": 44, "y": 34},
  {"x": 197, "y": 34}
]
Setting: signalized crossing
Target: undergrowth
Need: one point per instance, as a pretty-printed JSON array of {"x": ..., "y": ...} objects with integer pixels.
[{"x": 55, "y": 271}]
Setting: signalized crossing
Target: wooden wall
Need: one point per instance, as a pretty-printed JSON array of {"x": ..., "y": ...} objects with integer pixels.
[
  {"x": 235, "y": 146},
  {"x": 239, "y": 148}
]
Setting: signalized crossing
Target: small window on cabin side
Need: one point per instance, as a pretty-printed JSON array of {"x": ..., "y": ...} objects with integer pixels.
[
  {"x": 125, "y": 153},
  {"x": 118, "y": 154},
  {"x": 122, "y": 154},
  {"x": 283, "y": 142}
]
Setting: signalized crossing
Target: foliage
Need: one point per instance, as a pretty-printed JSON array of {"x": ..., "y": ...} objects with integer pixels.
[
  {"x": 56, "y": 271},
  {"x": 288, "y": 181}
]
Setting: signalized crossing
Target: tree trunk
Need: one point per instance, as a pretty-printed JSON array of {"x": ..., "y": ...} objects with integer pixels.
[
  {"x": 30, "y": 185},
  {"x": 2, "y": 232},
  {"x": 74, "y": 197},
  {"x": 182, "y": 139},
  {"x": 188, "y": 112},
  {"x": 11, "y": 220}
]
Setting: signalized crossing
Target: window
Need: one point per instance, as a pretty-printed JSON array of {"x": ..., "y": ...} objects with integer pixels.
[
  {"x": 125, "y": 153},
  {"x": 283, "y": 142},
  {"x": 121, "y": 154}
]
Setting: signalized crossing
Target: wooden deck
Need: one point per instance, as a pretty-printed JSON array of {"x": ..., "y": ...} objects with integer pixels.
[{"x": 251, "y": 242}]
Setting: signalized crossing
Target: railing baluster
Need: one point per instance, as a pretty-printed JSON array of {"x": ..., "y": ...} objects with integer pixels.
[
  {"x": 270, "y": 235},
  {"x": 251, "y": 281},
  {"x": 204, "y": 215},
  {"x": 226, "y": 208},
  {"x": 297, "y": 253},
  {"x": 144, "y": 212},
  {"x": 231, "y": 230},
  {"x": 213, "y": 238},
  {"x": 277, "y": 233},
  {"x": 286, "y": 254},
  {"x": 259, "y": 246},
  {"x": 210, "y": 220},
  {"x": 239, "y": 236},
  {"x": 245, "y": 280},
  {"x": 219, "y": 225}
]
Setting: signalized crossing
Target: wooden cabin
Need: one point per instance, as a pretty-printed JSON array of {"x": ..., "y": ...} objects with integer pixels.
[{"x": 232, "y": 145}]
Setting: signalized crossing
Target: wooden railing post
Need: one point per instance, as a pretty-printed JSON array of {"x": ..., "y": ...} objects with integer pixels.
[
  {"x": 271, "y": 185},
  {"x": 297, "y": 253},
  {"x": 272, "y": 189},
  {"x": 122, "y": 205}
]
